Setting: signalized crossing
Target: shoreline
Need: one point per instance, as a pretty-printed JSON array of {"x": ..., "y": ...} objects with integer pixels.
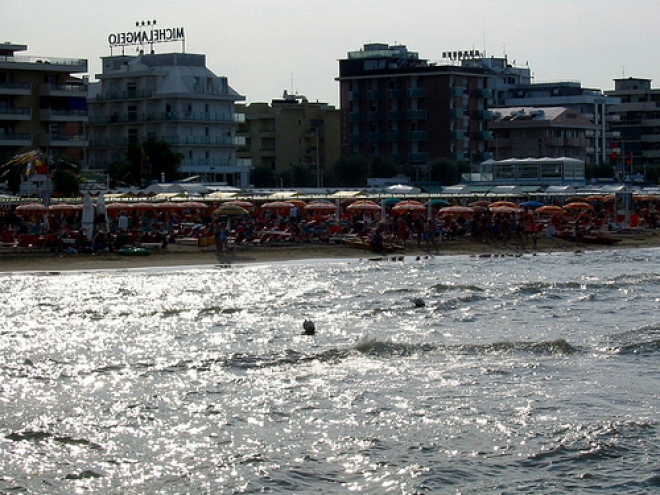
[{"x": 176, "y": 255}]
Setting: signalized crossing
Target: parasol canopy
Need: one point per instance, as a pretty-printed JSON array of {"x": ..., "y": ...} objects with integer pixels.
[
  {"x": 408, "y": 206},
  {"x": 320, "y": 206},
  {"x": 465, "y": 211},
  {"x": 363, "y": 205},
  {"x": 551, "y": 210},
  {"x": 578, "y": 205}
]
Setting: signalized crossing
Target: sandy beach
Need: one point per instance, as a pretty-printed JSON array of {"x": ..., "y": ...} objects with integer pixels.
[{"x": 185, "y": 255}]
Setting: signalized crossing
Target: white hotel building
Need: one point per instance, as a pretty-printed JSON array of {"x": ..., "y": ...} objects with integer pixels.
[{"x": 171, "y": 97}]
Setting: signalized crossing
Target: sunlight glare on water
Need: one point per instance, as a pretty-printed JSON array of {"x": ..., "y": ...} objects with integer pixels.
[{"x": 516, "y": 375}]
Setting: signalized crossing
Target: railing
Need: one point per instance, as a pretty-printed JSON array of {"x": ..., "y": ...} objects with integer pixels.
[{"x": 15, "y": 85}]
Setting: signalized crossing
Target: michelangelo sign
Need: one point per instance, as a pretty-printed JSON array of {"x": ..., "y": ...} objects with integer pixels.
[{"x": 146, "y": 36}]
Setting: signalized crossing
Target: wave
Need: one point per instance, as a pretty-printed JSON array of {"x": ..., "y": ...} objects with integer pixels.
[{"x": 644, "y": 340}]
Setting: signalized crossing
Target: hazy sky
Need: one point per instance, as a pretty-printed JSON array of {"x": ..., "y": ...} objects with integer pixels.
[{"x": 265, "y": 47}]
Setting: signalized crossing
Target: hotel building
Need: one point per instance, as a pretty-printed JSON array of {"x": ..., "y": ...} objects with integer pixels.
[
  {"x": 397, "y": 105},
  {"x": 42, "y": 105},
  {"x": 170, "y": 97}
]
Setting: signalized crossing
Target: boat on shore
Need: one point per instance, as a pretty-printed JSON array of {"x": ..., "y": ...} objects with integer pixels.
[
  {"x": 364, "y": 244},
  {"x": 588, "y": 238}
]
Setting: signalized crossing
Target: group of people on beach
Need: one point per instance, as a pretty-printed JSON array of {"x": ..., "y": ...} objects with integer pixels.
[{"x": 65, "y": 231}]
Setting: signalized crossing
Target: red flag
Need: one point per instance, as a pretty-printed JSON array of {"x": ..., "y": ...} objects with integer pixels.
[
  {"x": 629, "y": 160},
  {"x": 614, "y": 155}
]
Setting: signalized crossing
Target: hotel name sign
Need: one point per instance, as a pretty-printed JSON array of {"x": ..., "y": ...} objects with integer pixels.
[{"x": 146, "y": 36}]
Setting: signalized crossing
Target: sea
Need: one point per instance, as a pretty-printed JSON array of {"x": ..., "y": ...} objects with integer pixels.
[{"x": 426, "y": 375}]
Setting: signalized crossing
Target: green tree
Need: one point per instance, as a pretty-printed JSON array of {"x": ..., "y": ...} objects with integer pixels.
[
  {"x": 350, "y": 171},
  {"x": 66, "y": 182},
  {"x": 382, "y": 167},
  {"x": 146, "y": 162},
  {"x": 445, "y": 171},
  {"x": 262, "y": 176}
]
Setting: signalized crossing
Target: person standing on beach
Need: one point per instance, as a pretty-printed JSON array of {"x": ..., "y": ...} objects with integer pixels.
[{"x": 123, "y": 222}]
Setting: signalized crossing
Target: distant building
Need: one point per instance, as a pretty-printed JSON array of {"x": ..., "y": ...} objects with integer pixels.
[
  {"x": 637, "y": 119},
  {"x": 42, "y": 105},
  {"x": 170, "y": 97},
  {"x": 397, "y": 105},
  {"x": 524, "y": 132},
  {"x": 591, "y": 103},
  {"x": 290, "y": 132}
]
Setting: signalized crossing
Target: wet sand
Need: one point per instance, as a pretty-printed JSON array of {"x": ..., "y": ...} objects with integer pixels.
[{"x": 185, "y": 255}]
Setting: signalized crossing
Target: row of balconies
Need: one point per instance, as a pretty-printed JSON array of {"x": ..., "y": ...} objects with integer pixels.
[
  {"x": 214, "y": 141},
  {"x": 25, "y": 89},
  {"x": 125, "y": 95},
  {"x": 51, "y": 140},
  {"x": 134, "y": 117},
  {"x": 398, "y": 136},
  {"x": 397, "y": 94},
  {"x": 375, "y": 116}
]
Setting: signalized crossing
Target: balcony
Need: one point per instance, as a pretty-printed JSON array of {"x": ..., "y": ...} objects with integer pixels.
[
  {"x": 15, "y": 114},
  {"x": 354, "y": 96},
  {"x": 456, "y": 91},
  {"x": 417, "y": 136},
  {"x": 375, "y": 116},
  {"x": 651, "y": 138},
  {"x": 203, "y": 140},
  {"x": 394, "y": 115},
  {"x": 15, "y": 89},
  {"x": 64, "y": 140},
  {"x": 483, "y": 93},
  {"x": 125, "y": 95},
  {"x": 395, "y": 137},
  {"x": 486, "y": 115},
  {"x": 356, "y": 138},
  {"x": 51, "y": 115},
  {"x": 375, "y": 137},
  {"x": 416, "y": 114},
  {"x": 417, "y": 93},
  {"x": 394, "y": 94},
  {"x": 613, "y": 135},
  {"x": 457, "y": 113},
  {"x": 18, "y": 139},
  {"x": 67, "y": 90},
  {"x": 458, "y": 156},
  {"x": 485, "y": 136},
  {"x": 356, "y": 117},
  {"x": 456, "y": 135},
  {"x": 418, "y": 158},
  {"x": 374, "y": 95}
]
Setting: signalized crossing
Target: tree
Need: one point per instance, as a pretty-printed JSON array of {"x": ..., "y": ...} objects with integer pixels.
[
  {"x": 382, "y": 166},
  {"x": 146, "y": 162},
  {"x": 445, "y": 171},
  {"x": 349, "y": 171},
  {"x": 66, "y": 182},
  {"x": 262, "y": 176}
]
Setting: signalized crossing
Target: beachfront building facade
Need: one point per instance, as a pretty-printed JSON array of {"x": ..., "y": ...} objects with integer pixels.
[
  {"x": 43, "y": 105},
  {"x": 397, "y": 105},
  {"x": 637, "y": 120},
  {"x": 288, "y": 134},
  {"x": 170, "y": 97},
  {"x": 591, "y": 103},
  {"x": 539, "y": 132}
]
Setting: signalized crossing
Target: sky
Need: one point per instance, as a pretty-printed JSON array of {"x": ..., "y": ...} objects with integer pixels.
[{"x": 265, "y": 47}]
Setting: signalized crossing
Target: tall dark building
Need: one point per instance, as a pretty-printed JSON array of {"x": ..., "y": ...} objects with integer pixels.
[{"x": 397, "y": 105}]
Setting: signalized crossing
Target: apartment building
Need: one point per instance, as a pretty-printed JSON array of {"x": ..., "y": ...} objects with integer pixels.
[
  {"x": 43, "y": 105},
  {"x": 394, "y": 103},
  {"x": 170, "y": 97},
  {"x": 291, "y": 132}
]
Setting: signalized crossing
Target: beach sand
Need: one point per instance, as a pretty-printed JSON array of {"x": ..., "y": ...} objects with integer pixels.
[{"x": 185, "y": 255}]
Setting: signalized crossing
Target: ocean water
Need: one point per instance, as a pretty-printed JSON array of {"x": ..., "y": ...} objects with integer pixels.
[{"x": 532, "y": 374}]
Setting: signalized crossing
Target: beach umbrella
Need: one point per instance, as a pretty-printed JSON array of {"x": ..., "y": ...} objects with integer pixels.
[
  {"x": 243, "y": 204},
  {"x": 320, "y": 206},
  {"x": 578, "y": 205},
  {"x": 464, "y": 211},
  {"x": 64, "y": 207},
  {"x": 508, "y": 204},
  {"x": 574, "y": 199},
  {"x": 32, "y": 207},
  {"x": 594, "y": 199},
  {"x": 230, "y": 211},
  {"x": 551, "y": 210},
  {"x": 438, "y": 203},
  {"x": 277, "y": 205},
  {"x": 408, "y": 206},
  {"x": 389, "y": 202},
  {"x": 363, "y": 205},
  {"x": 480, "y": 203},
  {"x": 532, "y": 204},
  {"x": 504, "y": 209}
]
